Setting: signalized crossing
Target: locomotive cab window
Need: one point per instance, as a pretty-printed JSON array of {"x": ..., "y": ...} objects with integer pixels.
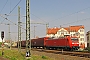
[{"x": 74, "y": 38}]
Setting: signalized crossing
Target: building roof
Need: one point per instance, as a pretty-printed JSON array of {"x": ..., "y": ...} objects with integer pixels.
[
  {"x": 66, "y": 28},
  {"x": 75, "y": 28},
  {"x": 70, "y": 28},
  {"x": 52, "y": 30}
]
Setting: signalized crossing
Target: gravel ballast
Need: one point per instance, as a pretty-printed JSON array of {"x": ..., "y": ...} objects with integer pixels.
[{"x": 58, "y": 56}]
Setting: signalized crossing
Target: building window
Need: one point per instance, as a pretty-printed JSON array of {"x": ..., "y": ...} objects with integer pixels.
[
  {"x": 62, "y": 34},
  {"x": 77, "y": 33},
  {"x": 87, "y": 44},
  {"x": 58, "y": 33},
  {"x": 71, "y": 35},
  {"x": 81, "y": 34},
  {"x": 87, "y": 38},
  {"x": 62, "y": 31},
  {"x": 81, "y": 30},
  {"x": 82, "y": 39},
  {"x": 65, "y": 32}
]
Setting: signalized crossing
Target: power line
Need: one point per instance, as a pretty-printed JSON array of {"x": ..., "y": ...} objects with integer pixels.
[
  {"x": 15, "y": 6},
  {"x": 72, "y": 13},
  {"x": 35, "y": 15},
  {"x": 11, "y": 22},
  {"x": 76, "y": 21},
  {"x": 64, "y": 16},
  {"x": 7, "y": 15},
  {"x": 4, "y": 6},
  {"x": 38, "y": 18}
]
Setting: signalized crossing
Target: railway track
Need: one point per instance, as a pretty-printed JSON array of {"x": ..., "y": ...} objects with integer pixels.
[{"x": 79, "y": 54}]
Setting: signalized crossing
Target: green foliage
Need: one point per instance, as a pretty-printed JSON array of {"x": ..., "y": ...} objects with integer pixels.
[
  {"x": 28, "y": 59},
  {"x": 44, "y": 57},
  {"x": 0, "y": 44},
  {"x": 13, "y": 58},
  {"x": 15, "y": 55},
  {"x": 88, "y": 49}
]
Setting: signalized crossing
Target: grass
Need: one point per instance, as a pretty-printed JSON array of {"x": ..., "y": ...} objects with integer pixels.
[
  {"x": 44, "y": 57},
  {"x": 36, "y": 57},
  {"x": 15, "y": 55}
]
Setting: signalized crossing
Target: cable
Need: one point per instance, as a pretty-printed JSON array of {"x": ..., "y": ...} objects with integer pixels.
[
  {"x": 76, "y": 21},
  {"x": 38, "y": 18},
  {"x": 4, "y": 6},
  {"x": 72, "y": 13},
  {"x": 11, "y": 22},
  {"x": 63, "y": 16},
  {"x": 2, "y": 21},
  {"x": 35, "y": 16},
  {"x": 15, "y": 6}
]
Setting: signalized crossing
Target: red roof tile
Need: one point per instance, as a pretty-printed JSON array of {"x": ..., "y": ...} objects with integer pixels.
[
  {"x": 75, "y": 28},
  {"x": 52, "y": 30}
]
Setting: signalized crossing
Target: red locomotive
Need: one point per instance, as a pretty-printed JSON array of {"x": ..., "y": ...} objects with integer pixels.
[{"x": 67, "y": 43}]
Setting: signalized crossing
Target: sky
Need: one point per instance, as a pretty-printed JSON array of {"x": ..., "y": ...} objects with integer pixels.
[{"x": 57, "y": 13}]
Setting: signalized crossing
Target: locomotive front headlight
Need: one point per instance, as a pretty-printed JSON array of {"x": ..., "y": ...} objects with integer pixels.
[
  {"x": 73, "y": 43},
  {"x": 77, "y": 43}
]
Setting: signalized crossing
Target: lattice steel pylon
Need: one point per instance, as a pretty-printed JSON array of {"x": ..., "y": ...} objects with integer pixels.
[
  {"x": 19, "y": 30},
  {"x": 28, "y": 41}
]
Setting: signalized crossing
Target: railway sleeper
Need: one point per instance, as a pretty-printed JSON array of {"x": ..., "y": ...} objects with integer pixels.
[
  {"x": 73, "y": 54},
  {"x": 80, "y": 55},
  {"x": 87, "y": 56}
]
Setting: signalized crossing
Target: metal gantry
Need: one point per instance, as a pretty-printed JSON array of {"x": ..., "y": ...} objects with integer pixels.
[
  {"x": 34, "y": 31},
  {"x": 47, "y": 25},
  {"x": 9, "y": 36}
]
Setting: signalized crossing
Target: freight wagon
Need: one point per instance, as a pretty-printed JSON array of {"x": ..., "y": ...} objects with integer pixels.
[
  {"x": 23, "y": 43},
  {"x": 39, "y": 42}
]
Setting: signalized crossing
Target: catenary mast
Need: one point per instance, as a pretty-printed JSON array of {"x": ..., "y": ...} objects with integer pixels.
[
  {"x": 28, "y": 41},
  {"x": 19, "y": 30}
]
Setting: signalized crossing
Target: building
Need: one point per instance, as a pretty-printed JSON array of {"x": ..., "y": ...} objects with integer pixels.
[
  {"x": 77, "y": 31},
  {"x": 88, "y": 38}
]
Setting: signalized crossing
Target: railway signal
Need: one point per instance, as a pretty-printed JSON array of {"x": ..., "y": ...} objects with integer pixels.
[{"x": 2, "y": 36}]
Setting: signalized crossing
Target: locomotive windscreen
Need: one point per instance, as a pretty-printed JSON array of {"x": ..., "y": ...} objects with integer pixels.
[{"x": 74, "y": 38}]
